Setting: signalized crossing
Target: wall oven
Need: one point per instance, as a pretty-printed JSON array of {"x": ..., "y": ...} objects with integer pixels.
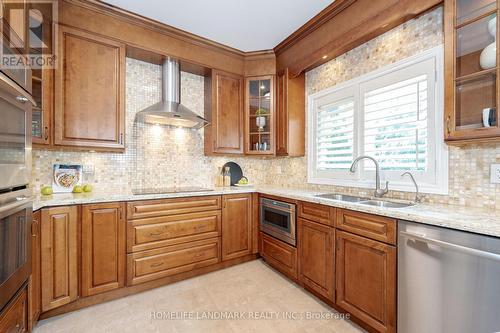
[{"x": 277, "y": 219}]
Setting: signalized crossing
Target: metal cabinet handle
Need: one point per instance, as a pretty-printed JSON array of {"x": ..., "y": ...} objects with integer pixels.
[
  {"x": 451, "y": 246},
  {"x": 156, "y": 233},
  {"x": 34, "y": 228},
  {"x": 46, "y": 133},
  {"x": 21, "y": 99},
  {"x": 448, "y": 127},
  {"x": 121, "y": 138}
]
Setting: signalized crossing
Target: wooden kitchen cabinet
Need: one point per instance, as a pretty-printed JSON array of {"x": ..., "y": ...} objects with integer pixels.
[
  {"x": 103, "y": 248},
  {"x": 224, "y": 110},
  {"x": 237, "y": 226},
  {"x": 14, "y": 318},
  {"x": 366, "y": 280},
  {"x": 316, "y": 248},
  {"x": 89, "y": 91},
  {"x": 59, "y": 256},
  {"x": 278, "y": 254},
  {"x": 471, "y": 75},
  {"x": 290, "y": 114},
  {"x": 259, "y": 115},
  {"x": 34, "y": 286}
]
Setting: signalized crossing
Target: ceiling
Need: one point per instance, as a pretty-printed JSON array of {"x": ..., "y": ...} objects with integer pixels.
[{"x": 245, "y": 25}]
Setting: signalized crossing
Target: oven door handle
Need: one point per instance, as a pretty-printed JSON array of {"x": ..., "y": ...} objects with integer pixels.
[
  {"x": 21, "y": 202},
  {"x": 22, "y": 95},
  {"x": 286, "y": 210}
]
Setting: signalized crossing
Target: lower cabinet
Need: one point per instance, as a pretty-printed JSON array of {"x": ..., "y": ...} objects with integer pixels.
[
  {"x": 366, "y": 280},
  {"x": 154, "y": 264},
  {"x": 278, "y": 254},
  {"x": 103, "y": 248},
  {"x": 236, "y": 226},
  {"x": 34, "y": 287},
  {"x": 317, "y": 257},
  {"x": 59, "y": 256},
  {"x": 14, "y": 319}
]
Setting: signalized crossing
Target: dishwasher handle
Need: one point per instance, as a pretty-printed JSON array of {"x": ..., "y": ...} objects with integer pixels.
[{"x": 464, "y": 249}]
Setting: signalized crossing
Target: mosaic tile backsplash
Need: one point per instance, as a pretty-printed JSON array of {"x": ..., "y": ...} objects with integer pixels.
[{"x": 157, "y": 156}]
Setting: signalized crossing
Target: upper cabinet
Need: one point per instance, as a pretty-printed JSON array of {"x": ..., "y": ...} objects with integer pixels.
[
  {"x": 89, "y": 108},
  {"x": 259, "y": 116},
  {"x": 224, "y": 111},
  {"x": 290, "y": 114},
  {"x": 471, "y": 71},
  {"x": 42, "y": 78}
]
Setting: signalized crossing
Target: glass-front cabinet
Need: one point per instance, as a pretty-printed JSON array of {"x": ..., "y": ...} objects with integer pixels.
[
  {"x": 40, "y": 32},
  {"x": 259, "y": 116},
  {"x": 471, "y": 71}
]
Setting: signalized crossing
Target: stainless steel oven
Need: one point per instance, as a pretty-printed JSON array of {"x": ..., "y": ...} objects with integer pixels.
[
  {"x": 277, "y": 219},
  {"x": 15, "y": 242},
  {"x": 15, "y": 134}
]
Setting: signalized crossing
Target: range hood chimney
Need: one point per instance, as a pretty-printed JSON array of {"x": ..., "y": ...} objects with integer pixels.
[{"x": 170, "y": 111}]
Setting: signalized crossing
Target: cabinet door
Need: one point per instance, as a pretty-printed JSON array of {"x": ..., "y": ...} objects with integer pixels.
[
  {"x": 59, "y": 256},
  {"x": 317, "y": 257},
  {"x": 290, "y": 114},
  {"x": 227, "y": 113},
  {"x": 366, "y": 280},
  {"x": 236, "y": 226},
  {"x": 103, "y": 248},
  {"x": 89, "y": 91},
  {"x": 13, "y": 318},
  {"x": 34, "y": 297}
]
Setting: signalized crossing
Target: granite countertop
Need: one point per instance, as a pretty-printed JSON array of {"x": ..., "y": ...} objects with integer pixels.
[{"x": 482, "y": 221}]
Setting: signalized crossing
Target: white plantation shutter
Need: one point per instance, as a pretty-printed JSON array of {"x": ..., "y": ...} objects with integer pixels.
[
  {"x": 335, "y": 135},
  {"x": 395, "y": 125},
  {"x": 394, "y": 114}
]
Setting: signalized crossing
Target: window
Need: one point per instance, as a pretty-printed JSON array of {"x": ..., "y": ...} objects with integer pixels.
[{"x": 394, "y": 115}]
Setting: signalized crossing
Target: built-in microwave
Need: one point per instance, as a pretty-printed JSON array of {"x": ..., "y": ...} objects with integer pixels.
[{"x": 277, "y": 219}]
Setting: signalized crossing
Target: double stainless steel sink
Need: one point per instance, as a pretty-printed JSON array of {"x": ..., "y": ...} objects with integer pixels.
[{"x": 365, "y": 201}]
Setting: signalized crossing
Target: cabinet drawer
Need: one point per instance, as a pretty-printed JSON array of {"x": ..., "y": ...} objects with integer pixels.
[
  {"x": 278, "y": 254},
  {"x": 154, "y": 264},
  {"x": 372, "y": 226},
  {"x": 317, "y": 213},
  {"x": 14, "y": 317},
  {"x": 164, "y": 207},
  {"x": 146, "y": 234}
]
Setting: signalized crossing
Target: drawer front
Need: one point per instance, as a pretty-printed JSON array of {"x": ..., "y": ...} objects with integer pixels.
[
  {"x": 317, "y": 213},
  {"x": 146, "y": 234},
  {"x": 154, "y": 264},
  {"x": 164, "y": 207},
  {"x": 278, "y": 254},
  {"x": 372, "y": 226},
  {"x": 14, "y": 317}
]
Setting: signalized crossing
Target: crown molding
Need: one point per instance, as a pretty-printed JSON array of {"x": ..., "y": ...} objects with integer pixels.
[{"x": 316, "y": 22}]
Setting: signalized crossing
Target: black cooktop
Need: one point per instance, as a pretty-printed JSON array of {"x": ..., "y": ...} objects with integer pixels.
[{"x": 165, "y": 190}]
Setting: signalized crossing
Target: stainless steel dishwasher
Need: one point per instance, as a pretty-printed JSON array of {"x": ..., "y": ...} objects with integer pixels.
[{"x": 448, "y": 280}]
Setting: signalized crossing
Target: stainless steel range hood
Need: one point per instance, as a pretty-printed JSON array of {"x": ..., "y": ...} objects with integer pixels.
[{"x": 170, "y": 111}]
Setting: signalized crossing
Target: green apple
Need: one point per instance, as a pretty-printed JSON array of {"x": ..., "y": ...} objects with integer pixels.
[
  {"x": 87, "y": 188},
  {"x": 46, "y": 190},
  {"x": 77, "y": 189}
]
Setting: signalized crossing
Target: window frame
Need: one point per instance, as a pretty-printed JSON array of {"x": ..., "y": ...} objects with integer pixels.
[{"x": 435, "y": 182}]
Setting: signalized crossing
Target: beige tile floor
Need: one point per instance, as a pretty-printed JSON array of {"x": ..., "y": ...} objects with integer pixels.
[{"x": 250, "y": 289}]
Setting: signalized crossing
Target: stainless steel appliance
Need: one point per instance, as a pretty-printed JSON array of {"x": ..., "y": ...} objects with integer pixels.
[
  {"x": 170, "y": 111},
  {"x": 448, "y": 281},
  {"x": 15, "y": 134},
  {"x": 277, "y": 219},
  {"x": 15, "y": 242}
]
